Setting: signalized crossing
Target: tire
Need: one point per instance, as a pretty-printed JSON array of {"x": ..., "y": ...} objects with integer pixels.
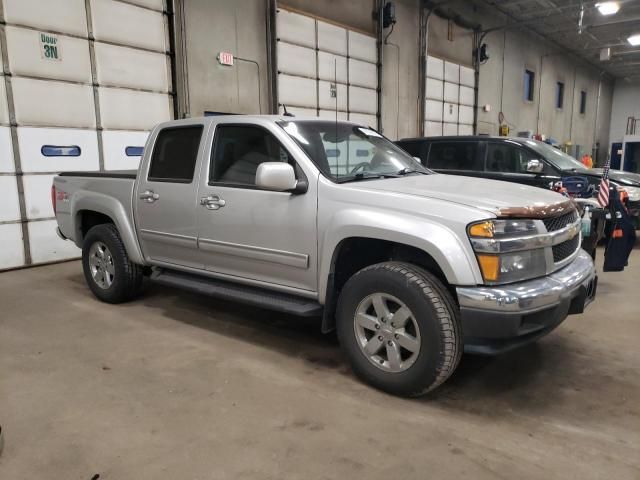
[
  {"x": 432, "y": 330},
  {"x": 121, "y": 280}
]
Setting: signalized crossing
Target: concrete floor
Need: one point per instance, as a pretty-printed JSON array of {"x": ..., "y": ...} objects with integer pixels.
[{"x": 178, "y": 386}]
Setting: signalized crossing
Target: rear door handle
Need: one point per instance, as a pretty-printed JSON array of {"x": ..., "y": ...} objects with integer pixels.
[
  {"x": 149, "y": 196},
  {"x": 212, "y": 202}
]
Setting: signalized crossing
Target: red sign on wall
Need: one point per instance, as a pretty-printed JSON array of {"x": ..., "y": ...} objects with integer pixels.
[{"x": 225, "y": 58}]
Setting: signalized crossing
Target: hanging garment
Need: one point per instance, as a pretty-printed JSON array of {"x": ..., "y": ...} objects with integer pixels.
[{"x": 622, "y": 238}]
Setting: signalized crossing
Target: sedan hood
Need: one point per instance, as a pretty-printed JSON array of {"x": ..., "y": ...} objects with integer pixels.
[{"x": 490, "y": 195}]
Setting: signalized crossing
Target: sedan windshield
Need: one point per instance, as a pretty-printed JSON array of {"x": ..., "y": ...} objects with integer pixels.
[
  {"x": 347, "y": 152},
  {"x": 557, "y": 157}
]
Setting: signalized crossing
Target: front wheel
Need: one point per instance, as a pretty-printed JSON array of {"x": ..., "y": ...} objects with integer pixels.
[
  {"x": 399, "y": 327},
  {"x": 111, "y": 276}
]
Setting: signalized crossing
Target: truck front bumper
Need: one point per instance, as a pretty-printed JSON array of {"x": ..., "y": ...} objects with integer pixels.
[{"x": 499, "y": 318}]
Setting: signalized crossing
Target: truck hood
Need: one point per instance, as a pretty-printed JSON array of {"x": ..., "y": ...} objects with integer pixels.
[
  {"x": 622, "y": 178},
  {"x": 489, "y": 195}
]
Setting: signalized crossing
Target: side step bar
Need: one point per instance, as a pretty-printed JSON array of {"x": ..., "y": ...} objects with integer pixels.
[{"x": 258, "y": 297}]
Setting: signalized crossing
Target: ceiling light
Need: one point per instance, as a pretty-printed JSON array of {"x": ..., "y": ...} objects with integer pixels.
[
  {"x": 607, "y": 8},
  {"x": 634, "y": 39}
]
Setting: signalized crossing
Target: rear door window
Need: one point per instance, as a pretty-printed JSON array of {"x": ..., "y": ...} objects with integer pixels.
[
  {"x": 175, "y": 154},
  {"x": 507, "y": 158},
  {"x": 455, "y": 156}
]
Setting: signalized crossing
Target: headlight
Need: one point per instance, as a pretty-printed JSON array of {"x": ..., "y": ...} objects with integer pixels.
[
  {"x": 633, "y": 192},
  {"x": 509, "y": 250}
]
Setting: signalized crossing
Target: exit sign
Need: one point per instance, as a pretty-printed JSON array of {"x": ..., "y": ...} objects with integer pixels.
[{"x": 225, "y": 58}]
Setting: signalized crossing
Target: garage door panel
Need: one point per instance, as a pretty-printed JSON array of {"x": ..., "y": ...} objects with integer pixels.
[
  {"x": 467, "y": 76},
  {"x": 298, "y": 111},
  {"x": 449, "y": 129},
  {"x": 451, "y": 92},
  {"x": 326, "y": 101},
  {"x": 57, "y": 149},
  {"x": 12, "y": 251},
  {"x": 363, "y": 74},
  {"x": 297, "y": 91},
  {"x": 152, "y": 4},
  {"x": 435, "y": 68},
  {"x": 123, "y": 109},
  {"x": 122, "y": 150},
  {"x": 25, "y": 58},
  {"x": 433, "y": 129},
  {"x": 451, "y": 72},
  {"x": 465, "y": 129},
  {"x": 37, "y": 196},
  {"x": 467, "y": 96},
  {"x": 364, "y": 119},
  {"x": 331, "y": 115},
  {"x": 362, "y": 100},
  {"x": 433, "y": 110},
  {"x": 295, "y": 28},
  {"x": 43, "y": 102},
  {"x": 6, "y": 151},
  {"x": 46, "y": 246},
  {"x": 4, "y": 111},
  {"x": 465, "y": 115},
  {"x": 68, "y": 16},
  {"x": 130, "y": 67},
  {"x": 450, "y": 113},
  {"x": 10, "y": 205},
  {"x": 295, "y": 60},
  {"x": 332, "y": 38},
  {"x": 362, "y": 47},
  {"x": 332, "y": 67},
  {"x": 127, "y": 24},
  {"x": 434, "y": 89}
]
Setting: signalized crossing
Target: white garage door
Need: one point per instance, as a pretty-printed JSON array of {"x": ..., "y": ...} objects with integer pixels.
[
  {"x": 450, "y": 98},
  {"x": 324, "y": 69},
  {"x": 83, "y": 93}
]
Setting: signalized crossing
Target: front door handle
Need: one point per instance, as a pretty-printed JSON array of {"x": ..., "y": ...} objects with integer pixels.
[
  {"x": 212, "y": 202},
  {"x": 149, "y": 196}
]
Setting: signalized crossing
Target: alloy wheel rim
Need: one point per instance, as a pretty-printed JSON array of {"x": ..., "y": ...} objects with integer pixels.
[
  {"x": 101, "y": 265},
  {"x": 387, "y": 332}
]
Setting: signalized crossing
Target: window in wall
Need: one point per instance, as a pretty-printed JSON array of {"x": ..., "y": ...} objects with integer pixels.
[
  {"x": 175, "y": 154},
  {"x": 583, "y": 102},
  {"x": 455, "y": 156},
  {"x": 507, "y": 158},
  {"x": 529, "y": 82},
  {"x": 239, "y": 150},
  {"x": 559, "y": 94}
]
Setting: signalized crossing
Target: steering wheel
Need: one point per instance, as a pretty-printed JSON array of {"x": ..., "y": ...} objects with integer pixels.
[{"x": 364, "y": 166}]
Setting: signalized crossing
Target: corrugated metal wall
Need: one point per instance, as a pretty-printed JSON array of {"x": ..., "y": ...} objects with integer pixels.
[{"x": 83, "y": 83}]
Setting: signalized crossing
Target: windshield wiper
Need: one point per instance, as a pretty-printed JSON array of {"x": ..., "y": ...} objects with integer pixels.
[
  {"x": 407, "y": 170},
  {"x": 365, "y": 176}
]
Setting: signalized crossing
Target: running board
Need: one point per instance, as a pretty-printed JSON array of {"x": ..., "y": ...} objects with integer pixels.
[{"x": 257, "y": 297}]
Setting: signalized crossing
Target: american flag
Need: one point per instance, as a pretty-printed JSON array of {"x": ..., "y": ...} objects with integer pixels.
[{"x": 603, "y": 192}]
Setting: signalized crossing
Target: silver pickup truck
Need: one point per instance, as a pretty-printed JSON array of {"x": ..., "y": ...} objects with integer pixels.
[{"x": 328, "y": 218}]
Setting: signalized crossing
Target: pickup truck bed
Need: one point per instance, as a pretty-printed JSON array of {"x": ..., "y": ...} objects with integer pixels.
[{"x": 112, "y": 174}]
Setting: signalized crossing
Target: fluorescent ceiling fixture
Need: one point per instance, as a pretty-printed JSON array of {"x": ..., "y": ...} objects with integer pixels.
[
  {"x": 607, "y": 8},
  {"x": 634, "y": 39}
]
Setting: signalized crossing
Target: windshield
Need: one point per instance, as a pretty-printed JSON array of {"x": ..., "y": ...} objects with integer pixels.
[
  {"x": 557, "y": 157},
  {"x": 345, "y": 152}
]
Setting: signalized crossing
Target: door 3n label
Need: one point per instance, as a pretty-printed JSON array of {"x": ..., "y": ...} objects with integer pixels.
[{"x": 49, "y": 46}]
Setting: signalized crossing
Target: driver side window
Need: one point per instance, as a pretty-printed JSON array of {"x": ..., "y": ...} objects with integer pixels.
[{"x": 238, "y": 150}]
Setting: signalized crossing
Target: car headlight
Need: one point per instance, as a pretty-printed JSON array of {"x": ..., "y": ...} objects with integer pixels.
[
  {"x": 509, "y": 250},
  {"x": 633, "y": 192}
]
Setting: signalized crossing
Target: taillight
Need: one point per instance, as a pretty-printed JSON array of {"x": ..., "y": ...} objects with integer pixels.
[{"x": 53, "y": 197}]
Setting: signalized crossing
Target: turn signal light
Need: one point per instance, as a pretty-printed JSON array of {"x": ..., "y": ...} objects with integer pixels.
[
  {"x": 53, "y": 198},
  {"x": 483, "y": 229},
  {"x": 490, "y": 266}
]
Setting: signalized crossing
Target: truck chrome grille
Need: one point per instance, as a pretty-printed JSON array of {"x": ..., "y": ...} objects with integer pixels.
[
  {"x": 558, "y": 223},
  {"x": 565, "y": 249}
]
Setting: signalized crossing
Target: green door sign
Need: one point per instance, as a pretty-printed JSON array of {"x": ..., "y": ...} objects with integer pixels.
[{"x": 50, "y": 46}]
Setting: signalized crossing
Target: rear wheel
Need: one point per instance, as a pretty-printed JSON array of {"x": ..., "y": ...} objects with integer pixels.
[
  {"x": 111, "y": 276},
  {"x": 399, "y": 327}
]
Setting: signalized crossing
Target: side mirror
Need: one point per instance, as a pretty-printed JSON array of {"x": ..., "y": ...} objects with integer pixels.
[
  {"x": 417, "y": 159},
  {"x": 276, "y": 176},
  {"x": 535, "y": 166}
]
